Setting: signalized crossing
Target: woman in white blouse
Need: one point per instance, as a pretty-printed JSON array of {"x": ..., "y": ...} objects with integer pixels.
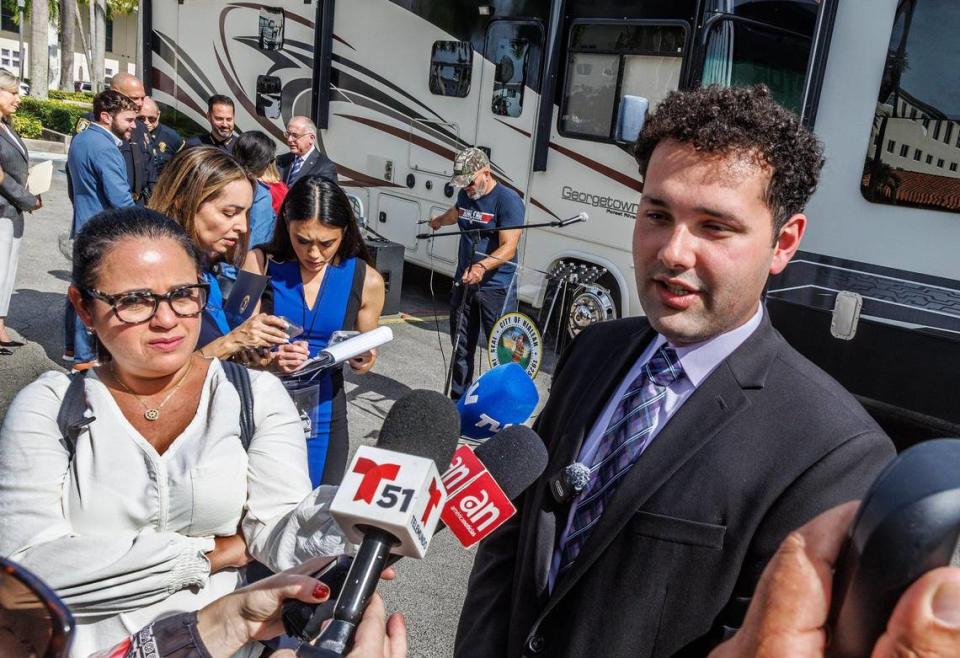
[{"x": 160, "y": 505}]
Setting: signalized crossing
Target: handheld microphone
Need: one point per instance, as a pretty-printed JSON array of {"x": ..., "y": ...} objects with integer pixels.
[
  {"x": 334, "y": 355},
  {"x": 581, "y": 217},
  {"x": 513, "y": 460},
  {"x": 390, "y": 502},
  {"x": 502, "y": 396},
  {"x": 908, "y": 524}
]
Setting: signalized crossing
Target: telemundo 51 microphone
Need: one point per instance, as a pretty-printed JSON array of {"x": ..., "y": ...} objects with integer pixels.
[
  {"x": 390, "y": 502},
  {"x": 907, "y": 525},
  {"x": 502, "y": 396},
  {"x": 509, "y": 463}
]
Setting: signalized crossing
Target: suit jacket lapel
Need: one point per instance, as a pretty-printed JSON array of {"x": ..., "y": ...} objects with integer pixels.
[
  {"x": 607, "y": 373},
  {"x": 717, "y": 400},
  {"x": 14, "y": 140}
]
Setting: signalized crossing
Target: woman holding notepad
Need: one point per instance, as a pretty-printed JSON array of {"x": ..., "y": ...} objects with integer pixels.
[{"x": 14, "y": 199}]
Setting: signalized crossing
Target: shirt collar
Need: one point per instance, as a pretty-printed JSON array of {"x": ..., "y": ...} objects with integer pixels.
[
  {"x": 116, "y": 140},
  {"x": 701, "y": 359}
]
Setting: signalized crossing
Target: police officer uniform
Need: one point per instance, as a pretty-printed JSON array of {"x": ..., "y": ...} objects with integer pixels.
[
  {"x": 165, "y": 142},
  {"x": 137, "y": 157},
  {"x": 207, "y": 140}
]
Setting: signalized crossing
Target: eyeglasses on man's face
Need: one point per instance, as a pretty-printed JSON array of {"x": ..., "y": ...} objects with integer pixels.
[
  {"x": 138, "y": 306},
  {"x": 149, "y": 119}
]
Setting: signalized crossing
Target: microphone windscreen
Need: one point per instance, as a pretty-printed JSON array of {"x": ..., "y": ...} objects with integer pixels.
[
  {"x": 502, "y": 396},
  {"x": 422, "y": 423},
  {"x": 515, "y": 457}
]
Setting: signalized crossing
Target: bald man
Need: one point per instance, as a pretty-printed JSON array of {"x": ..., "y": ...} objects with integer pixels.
[
  {"x": 165, "y": 142},
  {"x": 136, "y": 151}
]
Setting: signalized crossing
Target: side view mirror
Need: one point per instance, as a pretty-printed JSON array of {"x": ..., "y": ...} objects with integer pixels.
[
  {"x": 33, "y": 620},
  {"x": 630, "y": 118}
]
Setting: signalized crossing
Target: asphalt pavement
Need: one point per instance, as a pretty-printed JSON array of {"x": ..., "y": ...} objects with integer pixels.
[{"x": 429, "y": 592}]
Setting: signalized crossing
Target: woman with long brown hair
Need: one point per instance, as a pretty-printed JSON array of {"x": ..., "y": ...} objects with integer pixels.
[{"x": 209, "y": 193}]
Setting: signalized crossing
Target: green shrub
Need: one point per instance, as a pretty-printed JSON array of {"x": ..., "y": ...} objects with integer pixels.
[
  {"x": 79, "y": 96},
  {"x": 27, "y": 126},
  {"x": 53, "y": 114}
]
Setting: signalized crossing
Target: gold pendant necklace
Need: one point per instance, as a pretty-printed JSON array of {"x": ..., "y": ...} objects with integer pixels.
[{"x": 152, "y": 413}]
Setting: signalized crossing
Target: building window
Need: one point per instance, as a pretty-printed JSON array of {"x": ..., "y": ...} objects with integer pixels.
[
  {"x": 109, "y": 46},
  {"x": 891, "y": 145},
  {"x": 936, "y": 131},
  {"x": 8, "y": 16},
  {"x": 929, "y": 159},
  {"x": 949, "y": 135},
  {"x": 953, "y": 166},
  {"x": 940, "y": 163},
  {"x": 917, "y": 155},
  {"x": 913, "y": 113},
  {"x": 451, "y": 67},
  {"x": 609, "y": 61},
  {"x": 904, "y": 150}
]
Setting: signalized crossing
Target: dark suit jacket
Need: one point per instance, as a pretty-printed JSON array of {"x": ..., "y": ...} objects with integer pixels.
[
  {"x": 317, "y": 164},
  {"x": 207, "y": 139},
  {"x": 764, "y": 444},
  {"x": 16, "y": 166}
]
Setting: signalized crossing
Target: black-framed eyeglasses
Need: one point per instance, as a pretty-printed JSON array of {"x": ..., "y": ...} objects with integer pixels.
[
  {"x": 139, "y": 306},
  {"x": 33, "y": 619}
]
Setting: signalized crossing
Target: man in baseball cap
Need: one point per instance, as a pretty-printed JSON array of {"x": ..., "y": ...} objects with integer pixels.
[{"x": 487, "y": 259}]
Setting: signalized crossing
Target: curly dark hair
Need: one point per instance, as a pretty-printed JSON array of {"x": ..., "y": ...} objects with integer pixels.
[
  {"x": 721, "y": 120},
  {"x": 111, "y": 102}
]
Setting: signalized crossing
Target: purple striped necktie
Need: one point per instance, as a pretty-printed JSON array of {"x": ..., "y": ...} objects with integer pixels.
[{"x": 626, "y": 437}]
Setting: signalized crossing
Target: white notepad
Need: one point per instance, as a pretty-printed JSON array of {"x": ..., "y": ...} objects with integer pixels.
[{"x": 40, "y": 177}]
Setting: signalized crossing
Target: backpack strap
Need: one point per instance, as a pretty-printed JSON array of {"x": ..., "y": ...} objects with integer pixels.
[
  {"x": 70, "y": 418},
  {"x": 239, "y": 376}
]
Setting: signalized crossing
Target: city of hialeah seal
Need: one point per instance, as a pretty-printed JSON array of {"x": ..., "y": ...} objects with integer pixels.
[{"x": 515, "y": 338}]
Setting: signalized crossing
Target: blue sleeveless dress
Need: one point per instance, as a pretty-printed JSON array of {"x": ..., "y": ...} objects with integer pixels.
[
  {"x": 335, "y": 309},
  {"x": 213, "y": 321}
]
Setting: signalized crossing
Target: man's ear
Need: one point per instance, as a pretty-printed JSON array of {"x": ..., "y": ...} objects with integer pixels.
[{"x": 787, "y": 242}]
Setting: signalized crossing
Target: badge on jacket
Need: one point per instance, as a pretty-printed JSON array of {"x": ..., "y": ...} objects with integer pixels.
[{"x": 82, "y": 124}]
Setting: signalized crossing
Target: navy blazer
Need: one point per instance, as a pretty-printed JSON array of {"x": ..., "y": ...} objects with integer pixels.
[
  {"x": 98, "y": 175},
  {"x": 764, "y": 444}
]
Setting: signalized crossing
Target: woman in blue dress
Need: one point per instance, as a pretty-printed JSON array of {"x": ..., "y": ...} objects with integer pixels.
[
  {"x": 322, "y": 279},
  {"x": 210, "y": 194}
]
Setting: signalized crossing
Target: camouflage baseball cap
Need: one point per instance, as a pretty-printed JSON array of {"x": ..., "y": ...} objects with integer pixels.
[{"x": 467, "y": 164}]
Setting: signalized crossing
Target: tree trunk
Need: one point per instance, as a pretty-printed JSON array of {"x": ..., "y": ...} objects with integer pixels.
[
  {"x": 68, "y": 43},
  {"x": 78, "y": 25},
  {"x": 39, "y": 52},
  {"x": 99, "y": 43}
]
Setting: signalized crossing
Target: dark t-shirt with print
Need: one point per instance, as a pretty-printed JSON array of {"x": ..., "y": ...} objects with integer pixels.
[{"x": 501, "y": 207}]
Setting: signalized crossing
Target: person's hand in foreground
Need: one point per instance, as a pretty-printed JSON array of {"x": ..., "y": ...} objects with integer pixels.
[{"x": 788, "y": 613}]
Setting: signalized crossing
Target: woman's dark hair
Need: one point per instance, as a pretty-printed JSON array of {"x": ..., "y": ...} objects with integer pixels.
[
  {"x": 104, "y": 230},
  {"x": 316, "y": 198},
  {"x": 254, "y": 150}
]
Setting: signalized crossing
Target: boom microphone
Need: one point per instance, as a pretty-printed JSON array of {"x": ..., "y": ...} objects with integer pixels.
[
  {"x": 390, "y": 500},
  {"x": 513, "y": 459},
  {"x": 581, "y": 217}
]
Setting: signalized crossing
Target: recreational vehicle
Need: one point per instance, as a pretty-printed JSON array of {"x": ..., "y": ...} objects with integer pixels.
[{"x": 552, "y": 91}]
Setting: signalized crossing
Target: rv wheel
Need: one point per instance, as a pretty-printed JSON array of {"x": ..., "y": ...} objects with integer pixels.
[{"x": 591, "y": 303}]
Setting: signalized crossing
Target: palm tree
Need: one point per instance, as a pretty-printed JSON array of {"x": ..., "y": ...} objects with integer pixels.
[
  {"x": 39, "y": 52},
  {"x": 68, "y": 42}
]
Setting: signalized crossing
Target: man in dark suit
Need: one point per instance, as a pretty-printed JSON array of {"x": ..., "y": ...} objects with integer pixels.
[
  {"x": 706, "y": 437},
  {"x": 304, "y": 158},
  {"x": 220, "y": 114}
]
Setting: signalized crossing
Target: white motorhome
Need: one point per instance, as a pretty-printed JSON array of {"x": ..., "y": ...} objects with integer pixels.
[{"x": 399, "y": 86}]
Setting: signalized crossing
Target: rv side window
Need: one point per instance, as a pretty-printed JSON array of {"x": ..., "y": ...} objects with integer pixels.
[
  {"x": 271, "y": 28},
  {"x": 451, "y": 66},
  {"x": 609, "y": 60},
  {"x": 918, "y": 109}
]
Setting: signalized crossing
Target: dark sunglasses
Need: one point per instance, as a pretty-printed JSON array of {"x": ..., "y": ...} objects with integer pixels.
[{"x": 33, "y": 619}]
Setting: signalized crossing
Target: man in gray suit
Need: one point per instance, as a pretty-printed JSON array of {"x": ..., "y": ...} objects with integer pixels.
[{"x": 704, "y": 437}]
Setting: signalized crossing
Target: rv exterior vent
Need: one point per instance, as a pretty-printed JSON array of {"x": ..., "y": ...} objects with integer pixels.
[{"x": 846, "y": 315}]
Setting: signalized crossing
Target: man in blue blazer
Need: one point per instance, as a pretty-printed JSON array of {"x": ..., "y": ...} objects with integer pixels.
[{"x": 98, "y": 181}]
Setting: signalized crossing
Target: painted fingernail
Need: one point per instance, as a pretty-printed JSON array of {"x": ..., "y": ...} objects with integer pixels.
[
  {"x": 321, "y": 591},
  {"x": 946, "y": 604}
]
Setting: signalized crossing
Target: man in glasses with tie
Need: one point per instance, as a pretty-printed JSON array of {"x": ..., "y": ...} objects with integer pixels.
[
  {"x": 684, "y": 445},
  {"x": 304, "y": 158}
]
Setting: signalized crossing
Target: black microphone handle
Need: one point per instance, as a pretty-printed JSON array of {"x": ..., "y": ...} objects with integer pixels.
[{"x": 360, "y": 585}]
